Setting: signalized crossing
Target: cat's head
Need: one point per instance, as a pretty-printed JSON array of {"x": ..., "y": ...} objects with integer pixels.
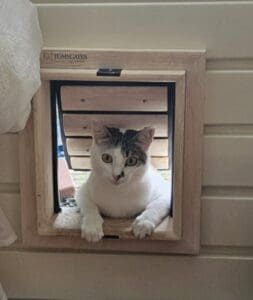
[{"x": 119, "y": 156}]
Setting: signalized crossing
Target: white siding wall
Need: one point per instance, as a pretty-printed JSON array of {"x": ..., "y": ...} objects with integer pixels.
[{"x": 224, "y": 270}]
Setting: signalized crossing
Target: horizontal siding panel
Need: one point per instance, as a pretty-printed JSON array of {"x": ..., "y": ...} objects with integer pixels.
[
  {"x": 9, "y": 188},
  {"x": 81, "y": 147},
  {"x": 227, "y": 221},
  {"x": 229, "y": 97},
  {"x": 81, "y": 276},
  {"x": 9, "y": 165},
  {"x": 11, "y": 206},
  {"x": 85, "y": 162},
  {"x": 228, "y": 161},
  {"x": 114, "y": 98},
  {"x": 80, "y": 125},
  {"x": 221, "y": 28}
]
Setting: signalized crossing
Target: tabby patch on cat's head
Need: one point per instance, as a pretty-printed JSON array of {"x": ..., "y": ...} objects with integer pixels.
[
  {"x": 131, "y": 142},
  {"x": 120, "y": 156}
]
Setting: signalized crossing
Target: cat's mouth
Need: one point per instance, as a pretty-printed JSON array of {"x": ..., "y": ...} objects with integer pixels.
[
  {"x": 117, "y": 179},
  {"x": 117, "y": 182}
]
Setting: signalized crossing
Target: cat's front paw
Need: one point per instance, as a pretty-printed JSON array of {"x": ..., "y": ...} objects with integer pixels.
[
  {"x": 142, "y": 227},
  {"x": 92, "y": 229}
]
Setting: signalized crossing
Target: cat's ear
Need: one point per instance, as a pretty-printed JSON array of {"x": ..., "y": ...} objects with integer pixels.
[
  {"x": 145, "y": 137},
  {"x": 100, "y": 133}
]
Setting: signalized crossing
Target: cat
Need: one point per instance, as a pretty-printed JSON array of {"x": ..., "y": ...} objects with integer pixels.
[{"x": 122, "y": 183}]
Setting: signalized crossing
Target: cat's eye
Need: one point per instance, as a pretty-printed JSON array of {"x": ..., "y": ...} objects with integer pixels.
[
  {"x": 107, "y": 158},
  {"x": 131, "y": 161}
]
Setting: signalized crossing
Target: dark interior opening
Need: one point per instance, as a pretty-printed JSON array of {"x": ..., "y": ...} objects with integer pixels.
[{"x": 60, "y": 150}]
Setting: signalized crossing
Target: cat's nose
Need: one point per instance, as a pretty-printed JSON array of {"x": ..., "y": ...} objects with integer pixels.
[{"x": 117, "y": 177}]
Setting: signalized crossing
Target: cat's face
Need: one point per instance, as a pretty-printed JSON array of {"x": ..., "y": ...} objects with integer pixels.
[{"x": 118, "y": 156}]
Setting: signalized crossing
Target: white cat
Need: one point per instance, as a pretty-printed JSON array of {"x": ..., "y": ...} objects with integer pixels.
[{"x": 122, "y": 183}]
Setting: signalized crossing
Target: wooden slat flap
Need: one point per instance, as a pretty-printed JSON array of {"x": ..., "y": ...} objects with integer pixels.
[
  {"x": 114, "y": 98},
  {"x": 80, "y": 124}
]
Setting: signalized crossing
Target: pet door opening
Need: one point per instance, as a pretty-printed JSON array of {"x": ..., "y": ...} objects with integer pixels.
[{"x": 124, "y": 105}]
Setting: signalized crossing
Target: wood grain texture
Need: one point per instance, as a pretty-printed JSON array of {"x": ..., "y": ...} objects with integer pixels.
[
  {"x": 81, "y": 147},
  {"x": 229, "y": 97},
  {"x": 68, "y": 70},
  {"x": 80, "y": 125},
  {"x": 177, "y": 159},
  {"x": 9, "y": 166},
  {"x": 83, "y": 163},
  {"x": 43, "y": 154},
  {"x": 67, "y": 223},
  {"x": 228, "y": 160},
  {"x": 27, "y": 182},
  {"x": 114, "y": 98}
]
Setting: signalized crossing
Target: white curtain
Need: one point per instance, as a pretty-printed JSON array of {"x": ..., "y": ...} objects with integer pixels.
[
  {"x": 7, "y": 237},
  {"x": 20, "y": 47},
  {"x": 2, "y": 293}
]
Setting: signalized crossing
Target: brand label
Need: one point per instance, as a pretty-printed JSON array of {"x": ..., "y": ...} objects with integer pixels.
[{"x": 62, "y": 58}]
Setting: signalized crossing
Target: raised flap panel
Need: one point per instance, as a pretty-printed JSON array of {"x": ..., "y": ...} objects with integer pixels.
[
  {"x": 114, "y": 98},
  {"x": 80, "y": 125}
]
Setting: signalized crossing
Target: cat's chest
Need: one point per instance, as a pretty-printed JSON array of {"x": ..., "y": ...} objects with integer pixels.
[{"x": 120, "y": 202}]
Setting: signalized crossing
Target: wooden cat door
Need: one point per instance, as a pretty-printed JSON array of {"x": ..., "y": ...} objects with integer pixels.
[{"x": 159, "y": 89}]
